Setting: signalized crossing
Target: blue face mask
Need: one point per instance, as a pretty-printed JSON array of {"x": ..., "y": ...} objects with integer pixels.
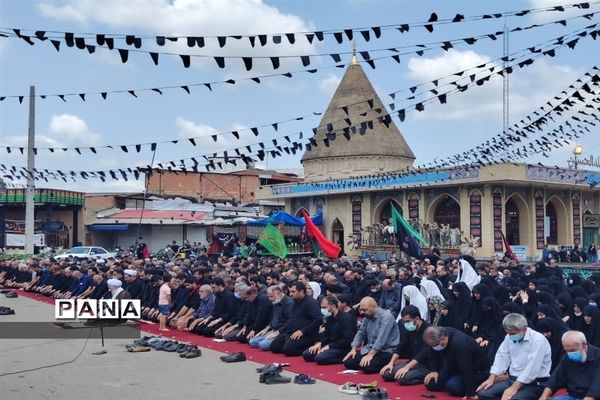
[
  {"x": 575, "y": 356},
  {"x": 439, "y": 347},
  {"x": 237, "y": 295},
  {"x": 517, "y": 338},
  {"x": 326, "y": 313},
  {"x": 410, "y": 326}
]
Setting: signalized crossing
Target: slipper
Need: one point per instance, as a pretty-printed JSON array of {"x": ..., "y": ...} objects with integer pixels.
[
  {"x": 364, "y": 387},
  {"x": 304, "y": 379},
  {"x": 375, "y": 394},
  {"x": 348, "y": 388},
  {"x": 276, "y": 378}
]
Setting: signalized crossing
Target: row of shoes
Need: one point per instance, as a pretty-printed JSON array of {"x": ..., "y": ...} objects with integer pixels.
[
  {"x": 147, "y": 343},
  {"x": 9, "y": 293},
  {"x": 271, "y": 374},
  {"x": 368, "y": 391},
  {"x": 6, "y": 311}
]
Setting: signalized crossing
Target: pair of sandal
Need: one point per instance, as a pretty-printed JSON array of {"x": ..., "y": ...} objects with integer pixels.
[{"x": 357, "y": 388}]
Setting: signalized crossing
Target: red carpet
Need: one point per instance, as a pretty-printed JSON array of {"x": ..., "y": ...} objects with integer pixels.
[{"x": 297, "y": 364}]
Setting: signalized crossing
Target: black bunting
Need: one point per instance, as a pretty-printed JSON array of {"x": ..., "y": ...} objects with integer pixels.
[
  {"x": 275, "y": 62},
  {"x": 247, "y": 63},
  {"x": 185, "y": 59},
  {"x": 220, "y": 62},
  {"x": 124, "y": 53}
]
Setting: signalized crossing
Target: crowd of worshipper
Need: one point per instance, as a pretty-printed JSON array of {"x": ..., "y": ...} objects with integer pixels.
[{"x": 487, "y": 330}]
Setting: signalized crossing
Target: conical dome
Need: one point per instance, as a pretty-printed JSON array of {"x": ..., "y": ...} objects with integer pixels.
[{"x": 380, "y": 149}]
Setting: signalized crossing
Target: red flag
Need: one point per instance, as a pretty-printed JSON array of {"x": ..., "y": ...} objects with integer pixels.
[
  {"x": 329, "y": 248},
  {"x": 509, "y": 250}
]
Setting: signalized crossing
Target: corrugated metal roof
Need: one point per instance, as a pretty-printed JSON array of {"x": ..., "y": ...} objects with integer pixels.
[{"x": 160, "y": 214}]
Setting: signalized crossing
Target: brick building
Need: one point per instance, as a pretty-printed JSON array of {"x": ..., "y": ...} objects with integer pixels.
[{"x": 238, "y": 187}]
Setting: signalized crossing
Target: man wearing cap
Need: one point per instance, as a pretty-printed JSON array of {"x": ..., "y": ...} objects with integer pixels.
[{"x": 132, "y": 284}]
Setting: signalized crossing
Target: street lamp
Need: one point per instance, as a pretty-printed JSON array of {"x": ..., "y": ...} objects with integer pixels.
[{"x": 577, "y": 152}]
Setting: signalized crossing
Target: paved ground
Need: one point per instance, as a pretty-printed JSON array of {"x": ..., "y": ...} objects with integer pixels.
[{"x": 122, "y": 375}]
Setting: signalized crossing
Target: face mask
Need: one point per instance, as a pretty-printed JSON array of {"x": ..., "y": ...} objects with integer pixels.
[
  {"x": 410, "y": 326},
  {"x": 277, "y": 301},
  {"x": 576, "y": 356},
  {"x": 237, "y": 295},
  {"x": 439, "y": 347},
  {"x": 516, "y": 338},
  {"x": 326, "y": 313},
  {"x": 570, "y": 281}
]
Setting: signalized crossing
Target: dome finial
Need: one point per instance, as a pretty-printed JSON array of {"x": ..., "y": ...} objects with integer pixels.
[{"x": 354, "y": 61}]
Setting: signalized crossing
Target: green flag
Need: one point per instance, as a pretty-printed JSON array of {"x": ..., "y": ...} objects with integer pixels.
[
  {"x": 398, "y": 219},
  {"x": 272, "y": 240}
]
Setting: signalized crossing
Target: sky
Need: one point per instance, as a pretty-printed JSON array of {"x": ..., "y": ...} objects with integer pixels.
[{"x": 439, "y": 131}]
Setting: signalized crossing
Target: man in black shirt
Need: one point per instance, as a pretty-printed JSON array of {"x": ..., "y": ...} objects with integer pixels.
[
  {"x": 411, "y": 343},
  {"x": 132, "y": 284},
  {"x": 578, "y": 370},
  {"x": 226, "y": 306},
  {"x": 255, "y": 316},
  {"x": 336, "y": 339},
  {"x": 302, "y": 328},
  {"x": 458, "y": 363}
]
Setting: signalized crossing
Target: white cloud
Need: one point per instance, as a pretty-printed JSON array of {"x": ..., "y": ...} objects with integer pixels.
[
  {"x": 65, "y": 130},
  {"x": 329, "y": 84},
  {"x": 196, "y": 17},
  {"x": 542, "y": 17},
  {"x": 530, "y": 87},
  {"x": 204, "y": 141},
  {"x": 73, "y": 130}
]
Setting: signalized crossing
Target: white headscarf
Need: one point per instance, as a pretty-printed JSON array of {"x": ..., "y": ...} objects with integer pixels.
[
  {"x": 316, "y": 288},
  {"x": 416, "y": 299},
  {"x": 468, "y": 275},
  {"x": 429, "y": 288}
]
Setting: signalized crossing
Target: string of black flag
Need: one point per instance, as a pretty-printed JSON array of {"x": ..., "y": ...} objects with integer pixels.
[
  {"x": 136, "y": 41},
  {"x": 568, "y": 40},
  {"x": 249, "y": 61}
]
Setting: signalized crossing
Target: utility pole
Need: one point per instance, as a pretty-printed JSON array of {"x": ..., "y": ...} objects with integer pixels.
[
  {"x": 29, "y": 201},
  {"x": 505, "y": 87}
]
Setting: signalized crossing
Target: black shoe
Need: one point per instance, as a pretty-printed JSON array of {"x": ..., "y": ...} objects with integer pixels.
[
  {"x": 234, "y": 357},
  {"x": 276, "y": 378},
  {"x": 375, "y": 394},
  {"x": 182, "y": 348},
  {"x": 262, "y": 378},
  {"x": 11, "y": 295},
  {"x": 193, "y": 353},
  {"x": 187, "y": 349},
  {"x": 270, "y": 368},
  {"x": 10, "y": 311}
]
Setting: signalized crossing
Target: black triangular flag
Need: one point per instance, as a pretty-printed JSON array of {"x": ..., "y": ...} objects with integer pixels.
[
  {"x": 247, "y": 63},
  {"x": 275, "y": 62},
  {"x": 185, "y": 59},
  {"x": 291, "y": 38},
  {"x": 222, "y": 40},
  {"x": 124, "y": 148},
  {"x": 154, "y": 57},
  {"x": 124, "y": 53},
  {"x": 56, "y": 44},
  {"x": 220, "y": 62}
]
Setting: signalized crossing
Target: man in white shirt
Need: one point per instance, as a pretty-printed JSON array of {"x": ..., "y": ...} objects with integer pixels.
[{"x": 526, "y": 355}]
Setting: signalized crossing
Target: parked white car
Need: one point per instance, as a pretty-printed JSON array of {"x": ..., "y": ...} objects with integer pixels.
[{"x": 85, "y": 252}]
